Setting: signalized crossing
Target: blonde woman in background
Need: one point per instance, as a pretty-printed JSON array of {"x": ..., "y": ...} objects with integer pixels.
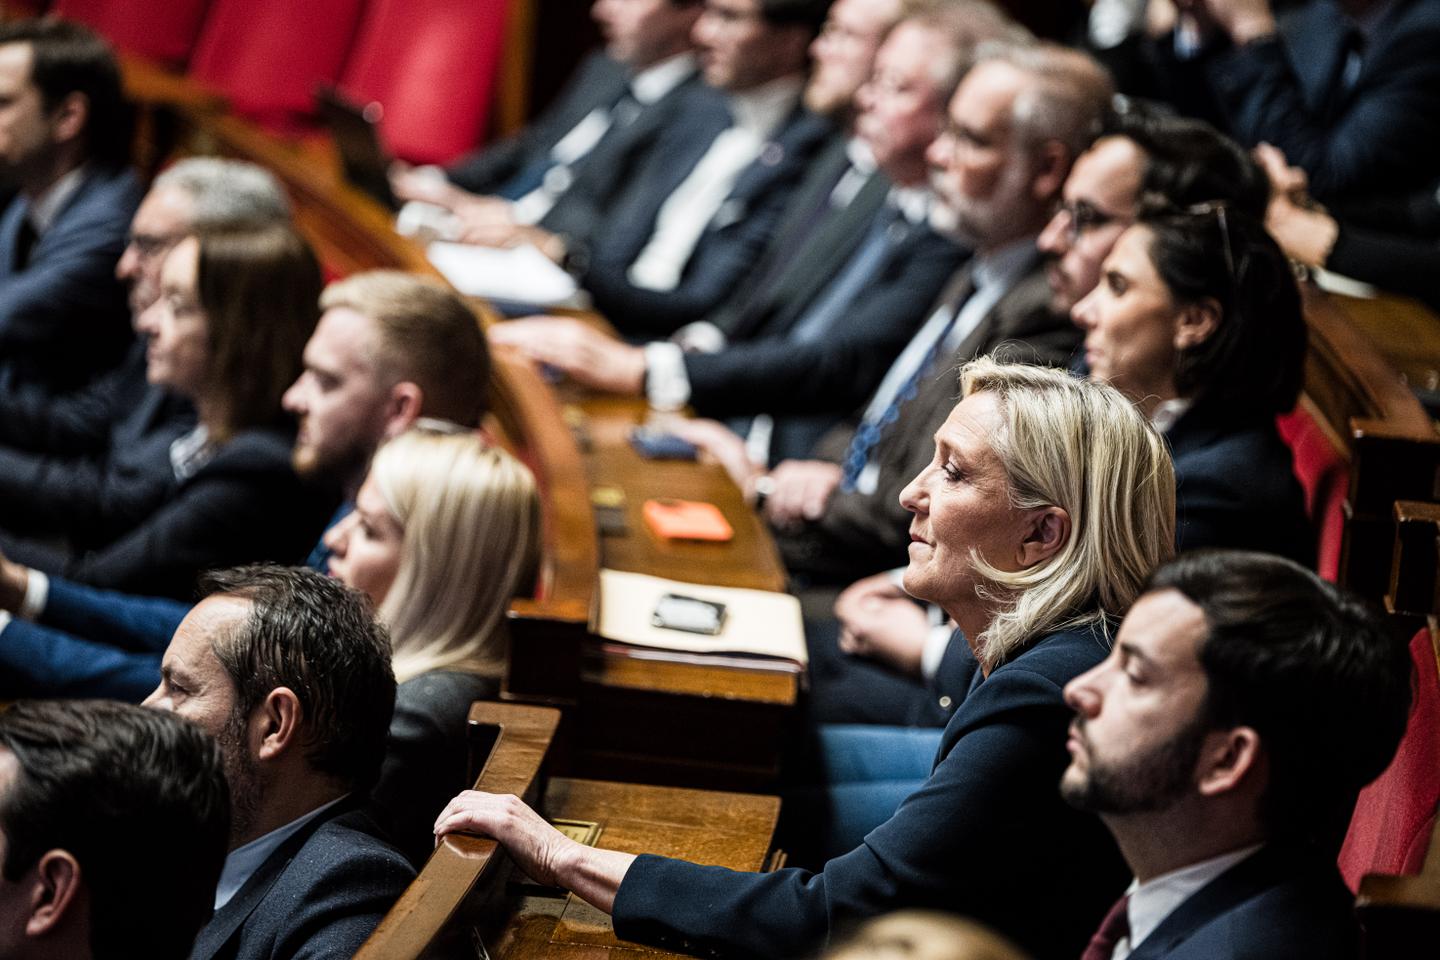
[
  {"x": 444, "y": 533},
  {"x": 923, "y": 935}
]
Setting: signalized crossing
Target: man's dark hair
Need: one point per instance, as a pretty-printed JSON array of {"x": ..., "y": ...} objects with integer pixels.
[
  {"x": 1253, "y": 365},
  {"x": 1188, "y": 161},
  {"x": 138, "y": 797},
  {"x": 70, "y": 58},
  {"x": 1311, "y": 669},
  {"x": 319, "y": 638},
  {"x": 805, "y": 13}
]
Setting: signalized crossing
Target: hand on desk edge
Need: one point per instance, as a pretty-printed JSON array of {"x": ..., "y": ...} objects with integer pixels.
[
  {"x": 578, "y": 350},
  {"x": 542, "y": 852}
]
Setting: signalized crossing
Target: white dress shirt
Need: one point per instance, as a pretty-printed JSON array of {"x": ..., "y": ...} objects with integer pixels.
[
  {"x": 683, "y": 217},
  {"x": 1151, "y": 902},
  {"x": 44, "y": 209}
]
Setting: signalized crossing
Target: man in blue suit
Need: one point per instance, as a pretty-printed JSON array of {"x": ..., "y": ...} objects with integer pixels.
[
  {"x": 290, "y": 673},
  {"x": 1223, "y": 742},
  {"x": 64, "y": 138}
]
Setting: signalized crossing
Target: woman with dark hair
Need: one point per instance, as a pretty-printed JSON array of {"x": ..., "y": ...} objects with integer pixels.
[
  {"x": 1197, "y": 318},
  {"x": 226, "y": 333}
]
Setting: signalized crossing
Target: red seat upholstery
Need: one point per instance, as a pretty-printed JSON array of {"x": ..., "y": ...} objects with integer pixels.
[
  {"x": 1395, "y": 815},
  {"x": 432, "y": 66},
  {"x": 1324, "y": 475},
  {"x": 159, "y": 30},
  {"x": 268, "y": 56}
]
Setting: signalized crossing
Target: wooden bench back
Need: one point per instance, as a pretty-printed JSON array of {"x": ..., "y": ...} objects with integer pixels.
[
  {"x": 1379, "y": 427},
  {"x": 431, "y": 915}
]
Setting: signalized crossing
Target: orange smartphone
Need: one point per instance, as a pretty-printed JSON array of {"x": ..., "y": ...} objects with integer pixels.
[{"x": 687, "y": 520}]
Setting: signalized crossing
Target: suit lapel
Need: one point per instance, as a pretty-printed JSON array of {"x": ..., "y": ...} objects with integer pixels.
[
  {"x": 225, "y": 926},
  {"x": 10, "y": 232},
  {"x": 1218, "y": 897}
]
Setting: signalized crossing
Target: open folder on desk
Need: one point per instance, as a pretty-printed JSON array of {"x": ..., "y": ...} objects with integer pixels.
[
  {"x": 761, "y": 630},
  {"x": 512, "y": 275}
]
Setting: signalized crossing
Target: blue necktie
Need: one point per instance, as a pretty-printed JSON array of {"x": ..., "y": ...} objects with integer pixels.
[
  {"x": 873, "y": 253},
  {"x": 868, "y": 434}
]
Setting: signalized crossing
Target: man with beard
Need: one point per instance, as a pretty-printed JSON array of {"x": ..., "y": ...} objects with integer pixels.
[
  {"x": 1223, "y": 742},
  {"x": 289, "y": 671}
]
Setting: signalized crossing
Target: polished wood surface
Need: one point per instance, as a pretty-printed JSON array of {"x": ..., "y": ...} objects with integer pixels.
[
  {"x": 427, "y": 911},
  {"x": 724, "y": 829}
]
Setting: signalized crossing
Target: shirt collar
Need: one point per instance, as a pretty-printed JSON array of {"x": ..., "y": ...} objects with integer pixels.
[
  {"x": 1151, "y": 902},
  {"x": 1004, "y": 265},
  {"x": 913, "y": 203},
  {"x": 861, "y": 157},
  {"x": 1168, "y": 413},
  {"x": 242, "y": 862},
  {"x": 658, "y": 79},
  {"x": 760, "y": 110},
  {"x": 44, "y": 209}
]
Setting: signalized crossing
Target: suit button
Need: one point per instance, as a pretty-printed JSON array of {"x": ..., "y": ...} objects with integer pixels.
[{"x": 945, "y": 703}]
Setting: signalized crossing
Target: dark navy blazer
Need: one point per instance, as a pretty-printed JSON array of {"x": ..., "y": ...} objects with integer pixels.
[
  {"x": 1235, "y": 487},
  {"x": 1274, "y": 905},
  {"x": 93, "y": 464},
  {"x": 245, "y": 505},
  {"x": 64, "y": 318},
  {"x": 987, "y": 836},
  {"x": 320, "y": 894}
]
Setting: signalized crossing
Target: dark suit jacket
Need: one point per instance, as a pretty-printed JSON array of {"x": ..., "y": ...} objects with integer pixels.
[
  {"x": 597, "y": 82},
  {"x": 90, "y": 465},
  {"x": 987, "y": 836},
  {"x": 321, "y": 894},
  {"x": 599, "y": 176},
  {"x": 861, "y": 534},
  {"x": 1235, "y": 487},
  {"x": 770, "y": 373},
  {"x": 64, "y": 319},
  {"x": 1274, "y": 905},
  {"x": 812, "y": 239},
  {"x": 732, "y": 241},
  {"x": 245, "y": 505},
  {"x": 1289, "y": 91},
  {"x": 426, "y": 755}
]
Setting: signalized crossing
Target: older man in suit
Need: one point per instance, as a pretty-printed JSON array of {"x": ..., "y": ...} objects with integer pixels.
[
  {"x": 557, "y": 176},
  {"x": 1223, "y": 742},
  {"x": 289, "y": 671},
  {"x": 64, "y": 141},
  {"x": 998, "y": 170}
]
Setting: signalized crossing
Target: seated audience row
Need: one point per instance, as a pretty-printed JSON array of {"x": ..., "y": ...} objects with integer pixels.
[{"x": 389, "y": 350}]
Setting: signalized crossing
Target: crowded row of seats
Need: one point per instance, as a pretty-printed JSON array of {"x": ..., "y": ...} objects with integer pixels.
[
  {"x": 432, "y": 67},
  {"x": 807, "y": 256}
]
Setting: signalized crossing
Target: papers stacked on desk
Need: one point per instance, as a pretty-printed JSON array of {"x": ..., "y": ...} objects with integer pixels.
[
  {"x": 518, "y": 275},
  {"x": 761, "y": 630}
]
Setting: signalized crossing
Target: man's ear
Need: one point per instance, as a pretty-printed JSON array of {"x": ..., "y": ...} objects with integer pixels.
[
  {"x": 1197, "y": 323},
  {"x": 275, "y": 726},
  {"x": 403, "y": 407},
  {"x": 1052, "y": 166},
  {"x": 56, "y": 889},
  {"x": 69, "y": 117},
  {"x": 1047, "y": 533},
  {"x": 1230, "y": 760}
]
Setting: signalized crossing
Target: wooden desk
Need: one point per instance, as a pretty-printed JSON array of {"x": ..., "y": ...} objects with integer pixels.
[
  {"x": 652, "y": 721},
  {"x": 725, "y": 829}
]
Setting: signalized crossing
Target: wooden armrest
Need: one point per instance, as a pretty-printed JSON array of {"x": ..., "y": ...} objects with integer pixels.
[
  {"x": 151, "y": 84},
  {"x": 1415, "y": 564},
  {"x": 460, "y": 863}
]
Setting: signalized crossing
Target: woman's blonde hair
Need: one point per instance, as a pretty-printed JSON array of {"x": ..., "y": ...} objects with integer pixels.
[
  {"x": 1083, "y": 447},
  {"x": 471, "y": 517},
  {"x": 924, "y": 935}
]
